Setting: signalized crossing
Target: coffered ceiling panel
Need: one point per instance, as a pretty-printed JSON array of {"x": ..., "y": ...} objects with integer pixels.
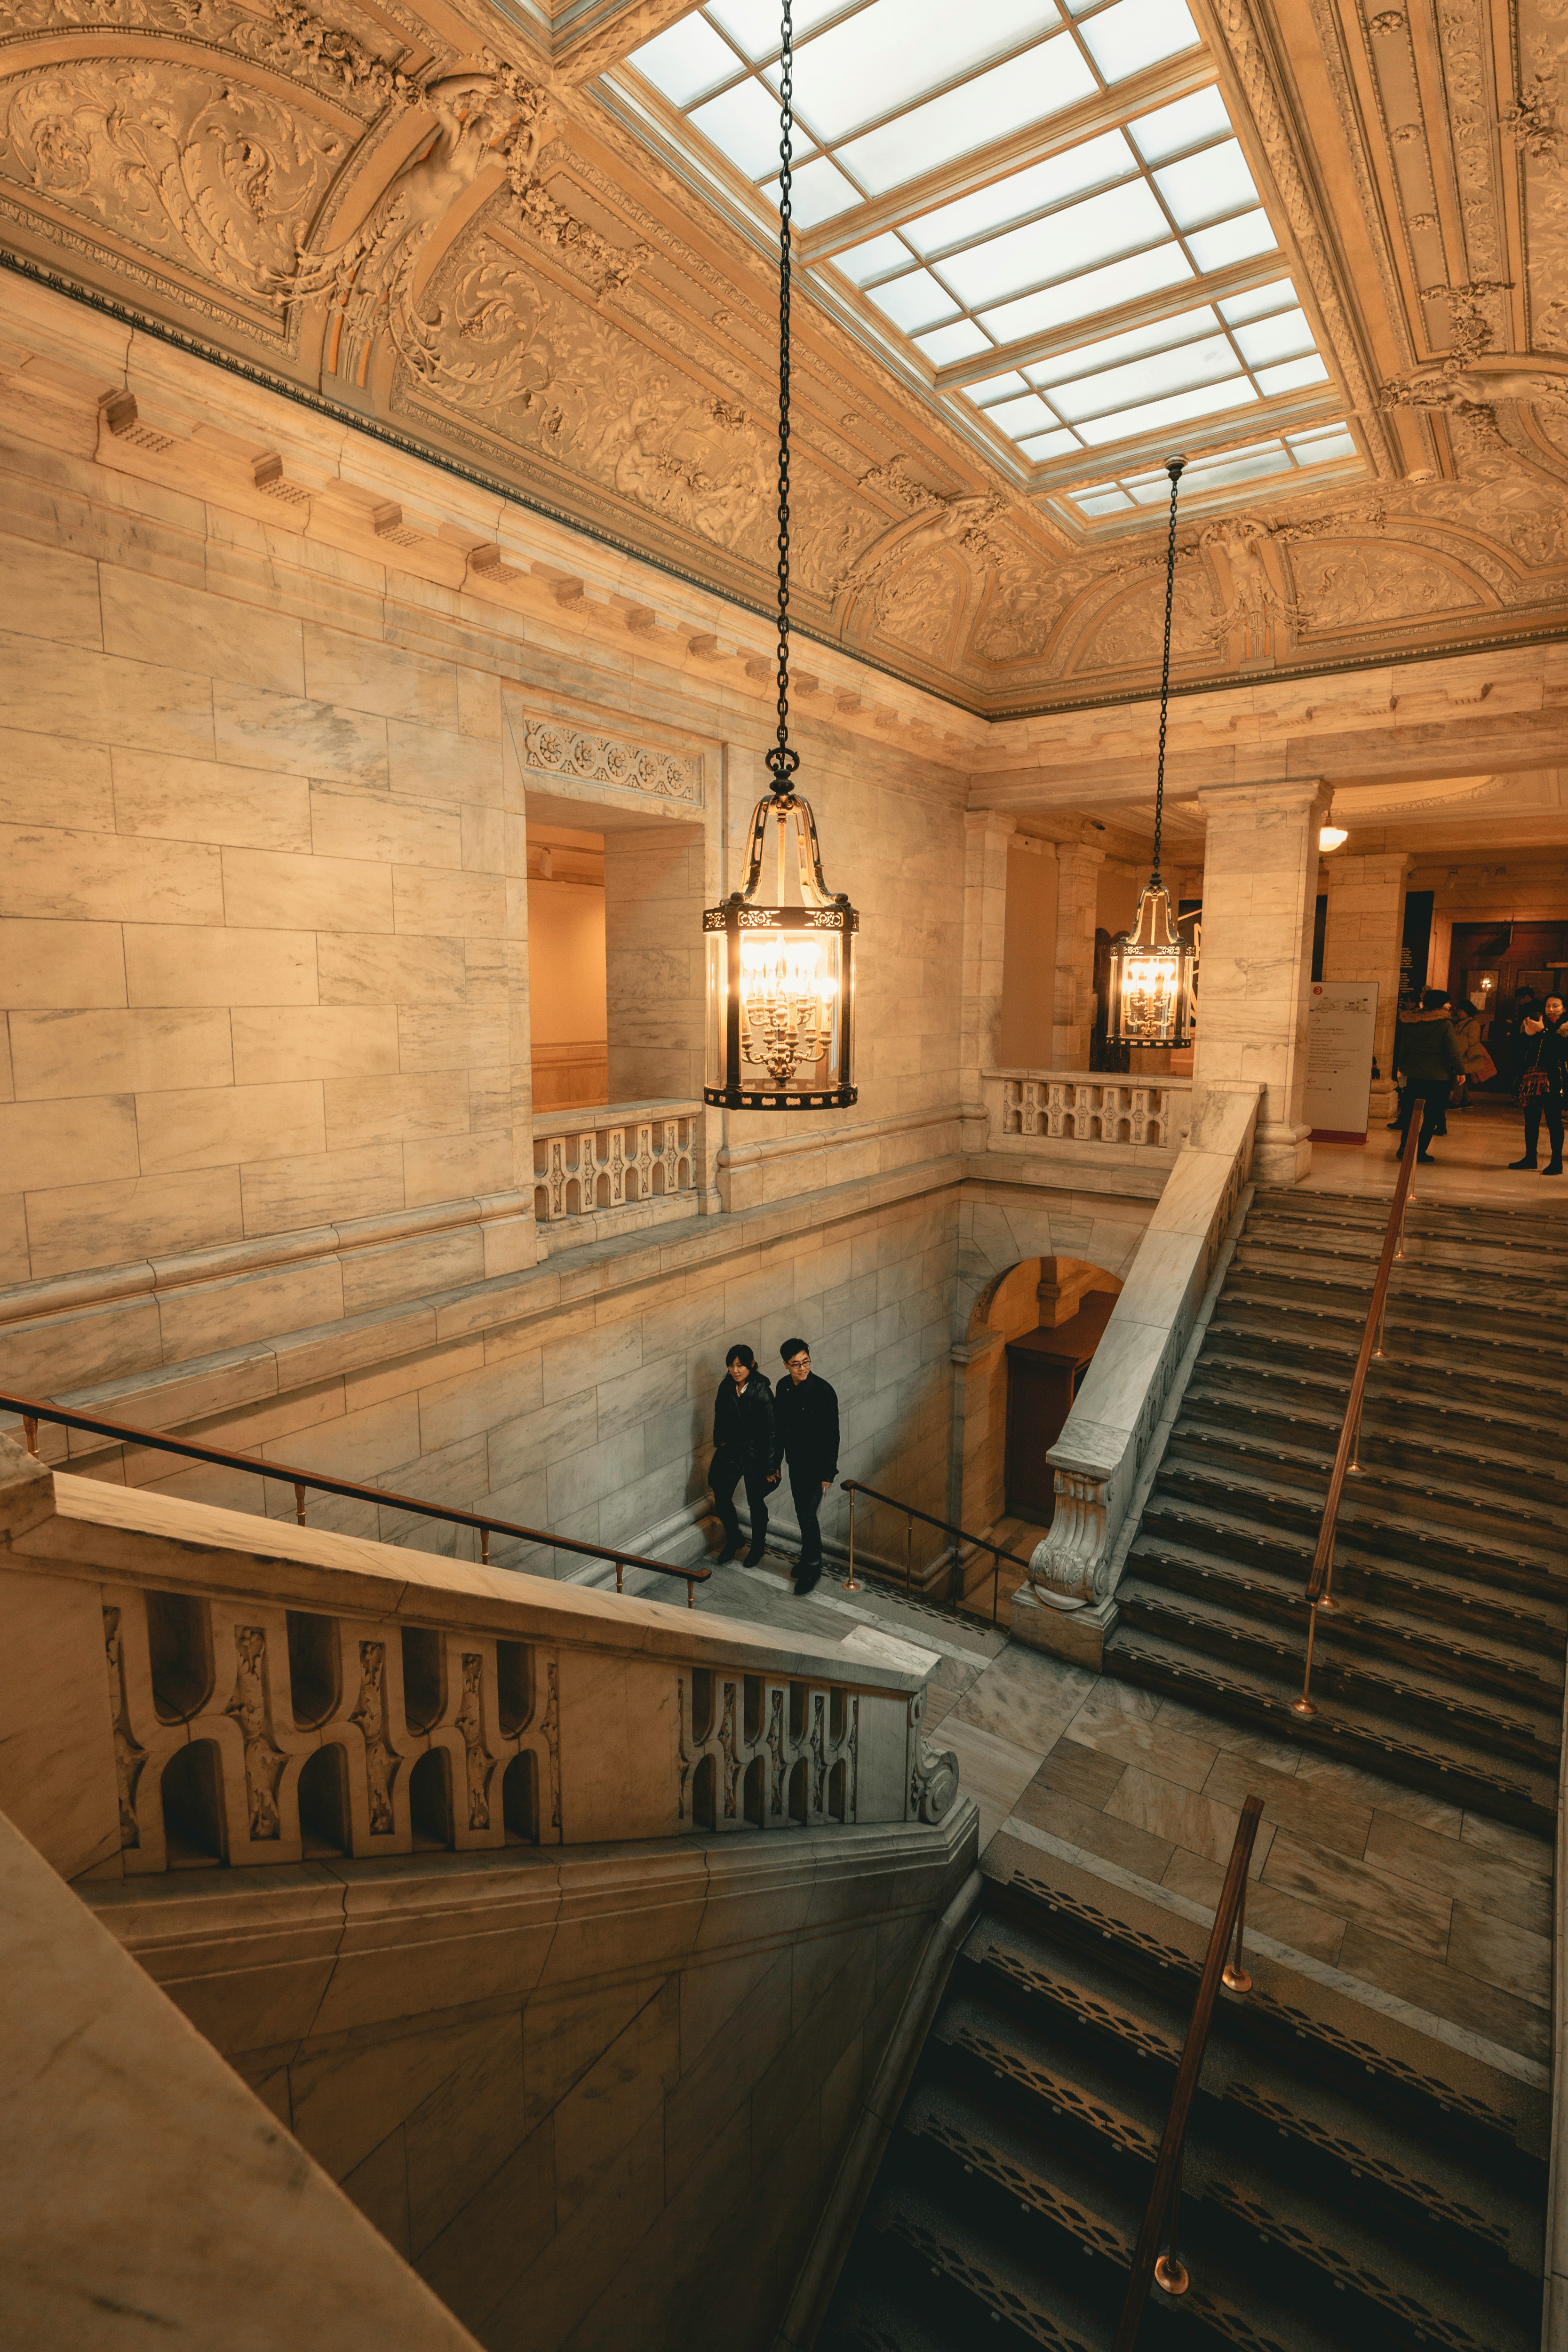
[{"x": 1321, "y": 247}]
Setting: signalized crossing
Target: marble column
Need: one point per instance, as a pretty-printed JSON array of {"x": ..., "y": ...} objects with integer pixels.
[
  {"x": 1078, "y": 894},
  {"x": 1260, "y": 879},
  {"x": 1362, "y": 940},
  {"x": 987, "y": 839}
]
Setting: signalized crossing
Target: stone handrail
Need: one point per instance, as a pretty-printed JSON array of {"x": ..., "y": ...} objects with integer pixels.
[
  {"x": 184, "y": 1686},
  {"x": 1099, "y": 1455},
  {"x": 1119, "y": 1110},
  {"x": 622, "y": 1155}
]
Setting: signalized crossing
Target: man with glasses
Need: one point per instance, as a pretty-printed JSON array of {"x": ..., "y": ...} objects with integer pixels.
[{"x": 806, "y": 1410}]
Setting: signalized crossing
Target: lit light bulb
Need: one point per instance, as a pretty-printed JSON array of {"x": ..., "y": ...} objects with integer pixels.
[
  {"x": 786, "y": 1003},
  {"x": 1331, "y": 836}
]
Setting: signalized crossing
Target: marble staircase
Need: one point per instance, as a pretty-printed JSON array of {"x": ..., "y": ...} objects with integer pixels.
[
  {"x": 1347, "y": 2183},
  {"x": 1442, "y": 1664}
]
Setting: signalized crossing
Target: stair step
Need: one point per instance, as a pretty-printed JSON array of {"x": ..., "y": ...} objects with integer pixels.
[
  {"x": 1532, "y": 1507},
  {"x": 1310, "y": 1418},
  {"x": 1455, "y": 1767},
  {"x": 1241, "y": 1512},
  {"x": 1507, "y": 1647}
]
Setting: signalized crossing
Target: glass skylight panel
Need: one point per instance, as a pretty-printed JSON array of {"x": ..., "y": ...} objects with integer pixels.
[
  {"x": 1138, "y": 33},
  {"x": 1283, "y": 337},
  {"x": 1210, "y": 362},
  {"x": 1153, "y": 415},
  {"x": 1245, "y": 465},
  {"x": 1088, "y": 165},
  {"x": 1204, "y": 186},
  {"x": 1258, "y": 301},
  {"x": 1315, "y": 452},
  {"x": 1058, "y": 247},
  {"x": 1081, "y": 298},
  {"x": 875, "y": 259},
  {"x": 817, "y": 193},
  {"x": 687, "y": 60},
  {"x": 1160, "y": 335},
  {"x": 1294, "y": 376},
  {"x": 896, "y": 51},
  {"x": 1233, "y": 240},
  {"x": 1025, "y": 90},
  {"x": 1048, "y": 445},
  {"x": 1018, "y": 418},
  {"x": 1185, "y": 123},
  {"x": 1100, "y": 502},
  {"x": 753, "y": 25},
  {"x": 994, "y": 387},
  {"x": 947, "y": 345},
  {"x": 743, "y": 123},
  {"x": 914, "y": 301}
]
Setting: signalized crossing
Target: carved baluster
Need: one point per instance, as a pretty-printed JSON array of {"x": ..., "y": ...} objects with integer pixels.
[
  {"x": 556, "y": 1175},
  {"x": 1055, "y": 1108},
  {"x": 251, "y": 1708},
  {"x": 587, "y": 1175},
  {"x": 645, "y": 1159},
  {"x": 616, "y": 1163},
  {"x": 477, "y": 1763}
]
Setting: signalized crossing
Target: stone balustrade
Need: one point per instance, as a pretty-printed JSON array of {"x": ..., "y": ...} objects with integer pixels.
[
  {"x": 187, "y": 1687},
  {"x": 1123, "y": 1114},
  {"x": 638, "y": 1157}
]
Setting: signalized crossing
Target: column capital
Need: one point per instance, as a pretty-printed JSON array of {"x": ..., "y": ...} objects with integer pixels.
[
  {"x": 988, "y": 820},
  {"x": 1384, "y": 865},
  {"x": 1282, "y": 796},
  {"x": 1079, "y": 852}
]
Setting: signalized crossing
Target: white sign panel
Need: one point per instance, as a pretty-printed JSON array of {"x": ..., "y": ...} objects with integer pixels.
[{"x": 1342, "y": 1024}]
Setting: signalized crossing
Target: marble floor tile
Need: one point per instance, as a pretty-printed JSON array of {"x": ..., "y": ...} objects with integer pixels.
[
  {"x": 1113, "y": 1701},
  {"x": 1044, "y": 1808},
  {"x": 1290, "y": 1803},
  {"x": 1447, "y": 1992},
  {"x": 1301, "y": 1925},
  {"x": 1529, "y": 1850},
  {"x": 1278, "y": 1755},
  {"x": 1501, "y": 1954},
  {"x": 1158, "y": 1748},
  {"x": 1079, "y": 1772},
  {"x": 1482, "y": 1880},
  {"x": 1181, "y": 1817},
  {"x": 994, "y": 1771},
  {"x": 1355, "y": 1891},
  {"x": 1385, "y": 1796},
  {"x": 1026, "y": 1696}
]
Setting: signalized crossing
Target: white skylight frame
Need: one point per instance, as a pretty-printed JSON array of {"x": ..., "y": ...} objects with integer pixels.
[{"x": 963, "y": 279}]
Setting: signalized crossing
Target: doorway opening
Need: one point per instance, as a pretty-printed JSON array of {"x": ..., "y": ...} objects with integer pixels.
[{"x": 569, "y": 1036}]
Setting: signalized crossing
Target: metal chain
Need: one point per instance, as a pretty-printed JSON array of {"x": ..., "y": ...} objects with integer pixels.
[
  {"x": 1176, "y": 468},
  {"x": 782, "y": 760}
]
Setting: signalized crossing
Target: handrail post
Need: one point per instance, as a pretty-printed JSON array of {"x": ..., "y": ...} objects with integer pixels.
[
  {"x": 30, "y": 1432},
  {"x": 995, "y": 1581},
  {"x": 484, "y": 1546},
  {"x": 1233, "y": 1976},
  {"x": 299, "y": 1502},
  {"x": 849, "y": 1584},
  {"x": 908, "y": 1551},
  {"x": 1166, "y": 2189},
  {"x": 1303, "y": 1706}
]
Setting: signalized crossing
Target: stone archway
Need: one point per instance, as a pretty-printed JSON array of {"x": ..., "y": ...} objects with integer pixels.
[{"x": 1032, "y": 1292}]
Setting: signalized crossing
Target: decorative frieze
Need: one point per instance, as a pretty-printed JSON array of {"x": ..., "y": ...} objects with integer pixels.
[{"x": 552, "y": 749}]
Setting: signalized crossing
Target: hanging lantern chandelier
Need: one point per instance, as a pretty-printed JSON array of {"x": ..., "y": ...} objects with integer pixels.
[
  {"x": 781, "y": 989},
  {"x": 1149, "y": 992}
]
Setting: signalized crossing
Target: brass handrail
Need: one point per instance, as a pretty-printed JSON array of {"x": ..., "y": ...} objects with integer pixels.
[
  {"x": 31, "y": 1411},
  {"x": 1347, "y": 1454},
  {"x": 853, "y": 1486},
  {"x": 1167, "y": 2270}
]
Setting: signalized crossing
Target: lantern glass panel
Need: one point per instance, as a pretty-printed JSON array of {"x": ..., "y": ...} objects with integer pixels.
[{"x": 1150, "y": 994}]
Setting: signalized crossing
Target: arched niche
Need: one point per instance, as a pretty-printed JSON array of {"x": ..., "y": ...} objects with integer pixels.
[{"x": 1032, "y": 1295}]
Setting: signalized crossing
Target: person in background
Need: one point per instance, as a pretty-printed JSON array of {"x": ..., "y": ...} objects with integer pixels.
[
  {"x": 806, "y": 1410},
  {"x": 745, "y": 1446},
  {"x": 1539, "y": 1067},
  {"x": 1427, "y": 1057},
  {"x": 1469, "y": 1027}
]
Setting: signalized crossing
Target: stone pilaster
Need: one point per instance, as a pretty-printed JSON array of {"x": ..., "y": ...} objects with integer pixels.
[
  {"x": 987, "y": 838},
  {"x": 1078, "y": 893},
  {"x": 1361, "y": 941},
  {"x": 1261, "y": 875}
]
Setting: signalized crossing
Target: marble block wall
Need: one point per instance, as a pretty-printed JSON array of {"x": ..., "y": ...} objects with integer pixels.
[{"x": 1364, "y": 937}]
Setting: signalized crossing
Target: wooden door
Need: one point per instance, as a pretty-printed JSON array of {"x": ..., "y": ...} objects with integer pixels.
[{"x": 1039, "y": 1397}]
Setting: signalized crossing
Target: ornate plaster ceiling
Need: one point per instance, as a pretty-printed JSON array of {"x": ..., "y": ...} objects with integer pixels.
[{"x": 473, "y": 225}]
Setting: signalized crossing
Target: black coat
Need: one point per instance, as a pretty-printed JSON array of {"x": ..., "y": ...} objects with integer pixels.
[
  {"x": 807, "y": 1417},
  {"x": 1547, "y": 1051},
  {"x": 743, "y": 1423}
]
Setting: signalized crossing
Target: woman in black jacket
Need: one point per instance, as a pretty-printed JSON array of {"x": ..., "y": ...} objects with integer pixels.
[
  {"x": 1539, "y": 1066},
  {"x": 745, "y": 1446},
  {"x": 1426, "y": 1056}
]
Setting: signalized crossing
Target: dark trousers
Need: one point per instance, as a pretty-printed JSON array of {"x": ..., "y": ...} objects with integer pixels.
[
  {"x": 1433, "y": 1094},
  {"x": 1549, "y": 1106},
  {"x": 724, "y": 1474},
  {"x": 806, "y": 1492}
]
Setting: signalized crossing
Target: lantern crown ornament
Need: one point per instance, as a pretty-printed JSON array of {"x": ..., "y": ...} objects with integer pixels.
[
  {"x": 780, "y": 982},
  {"x": 1150, "y": 994}
]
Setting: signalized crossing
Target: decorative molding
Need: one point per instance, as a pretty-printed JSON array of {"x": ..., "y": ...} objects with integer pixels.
[{"x": 550, "y": 748}]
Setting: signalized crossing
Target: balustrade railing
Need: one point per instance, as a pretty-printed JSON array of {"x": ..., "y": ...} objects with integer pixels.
[
  {"x": 587, "y": 1162},
  {"x": 1089, "y": 1107},
  {"x": 853, "y": 1486}
]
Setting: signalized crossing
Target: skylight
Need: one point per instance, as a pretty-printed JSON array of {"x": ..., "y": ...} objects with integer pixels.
[{"x": 1043, "y": 200}]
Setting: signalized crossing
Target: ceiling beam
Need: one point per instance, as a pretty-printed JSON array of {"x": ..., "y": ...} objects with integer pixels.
[
  {"x": 1105, "y": 112},
  {"x": 594, "y": 39}
]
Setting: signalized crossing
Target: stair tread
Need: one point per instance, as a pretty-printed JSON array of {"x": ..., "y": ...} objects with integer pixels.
[
  {"x": 1249, "y": 1496},
  {"x": 1307, "y": 1472},
  {"x": 1512, "y": 1442}
]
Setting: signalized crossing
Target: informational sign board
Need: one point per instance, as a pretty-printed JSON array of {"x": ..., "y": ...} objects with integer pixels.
[{"x": 1342, "y": 1024}]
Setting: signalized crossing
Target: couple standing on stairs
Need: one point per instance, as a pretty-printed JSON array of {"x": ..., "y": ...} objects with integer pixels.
[{"x": 755, "y": 1431}]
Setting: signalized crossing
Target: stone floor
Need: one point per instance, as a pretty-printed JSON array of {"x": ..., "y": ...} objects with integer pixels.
[
  {"x": 1470, "y": 1163},
  {"x": 1408, "y": 1898}
]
